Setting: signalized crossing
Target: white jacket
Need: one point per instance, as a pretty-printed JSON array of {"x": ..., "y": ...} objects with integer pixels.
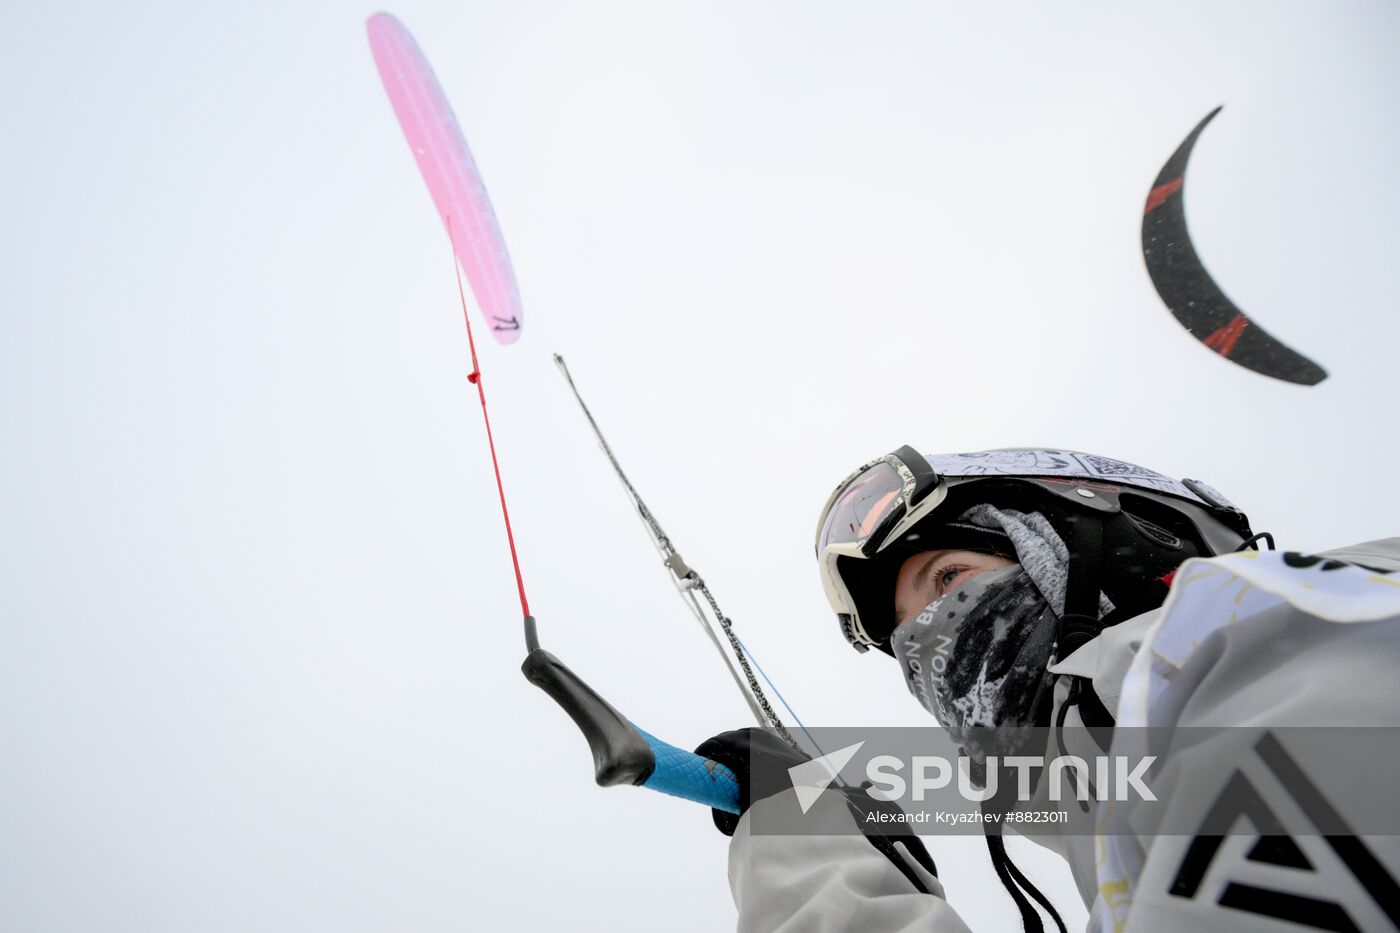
[{"x": 1252, "y": 639}]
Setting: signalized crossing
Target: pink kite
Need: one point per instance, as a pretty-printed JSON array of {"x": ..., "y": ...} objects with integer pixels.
[{"x": 446, "y": 163}]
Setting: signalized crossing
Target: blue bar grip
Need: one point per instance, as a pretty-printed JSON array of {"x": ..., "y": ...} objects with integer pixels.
[
  {"x": 687, "y": 775},
  {"x": 624, "y": 754}
]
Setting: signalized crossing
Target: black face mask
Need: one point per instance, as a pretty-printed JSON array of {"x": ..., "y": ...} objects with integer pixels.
[{"x": 976, "y": 659}]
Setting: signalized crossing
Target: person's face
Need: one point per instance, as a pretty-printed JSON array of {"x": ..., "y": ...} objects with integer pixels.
[{"x": 930, "y": 575}]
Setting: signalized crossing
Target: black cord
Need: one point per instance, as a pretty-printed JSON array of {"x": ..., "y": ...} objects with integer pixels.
[
  {"x": 1030, "y": 920},
  {"x": 1035, "y": 893},
  {"x": 1071, "y": 700},
  {"x": 1253, "y": 542}
]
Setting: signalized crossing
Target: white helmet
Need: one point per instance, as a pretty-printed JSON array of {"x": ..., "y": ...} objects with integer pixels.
[{"x": 1127, "y": 528}]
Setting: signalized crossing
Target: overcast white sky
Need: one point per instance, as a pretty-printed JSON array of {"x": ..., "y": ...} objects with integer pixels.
[{"x": 260, "y": 641}]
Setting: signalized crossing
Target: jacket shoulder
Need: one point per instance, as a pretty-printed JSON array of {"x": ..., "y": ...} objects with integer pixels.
[{"x": 1381, "y": 554}]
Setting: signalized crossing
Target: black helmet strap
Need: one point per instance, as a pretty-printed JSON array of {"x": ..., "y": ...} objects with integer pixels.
[{"x": 1080, "y": 621}]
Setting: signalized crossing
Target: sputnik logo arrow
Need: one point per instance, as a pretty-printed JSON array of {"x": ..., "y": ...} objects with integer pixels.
[{"x": 810, "y": 778}]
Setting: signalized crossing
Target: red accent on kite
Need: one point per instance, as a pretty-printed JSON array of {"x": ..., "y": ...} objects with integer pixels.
[
  {"x": 1161, "y": 193},
  {"x": 1223, "y": 340},
  {"x": 1167, "y": 578}
]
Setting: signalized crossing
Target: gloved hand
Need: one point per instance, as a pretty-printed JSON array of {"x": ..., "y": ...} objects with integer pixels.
[{"x": 736, "y": 750}]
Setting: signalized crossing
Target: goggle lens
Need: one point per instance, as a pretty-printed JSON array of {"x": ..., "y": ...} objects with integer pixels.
[{"x": 863, "y": 506}]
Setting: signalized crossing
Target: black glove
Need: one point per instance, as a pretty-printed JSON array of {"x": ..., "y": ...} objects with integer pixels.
[{"x": 736, "y": 750}]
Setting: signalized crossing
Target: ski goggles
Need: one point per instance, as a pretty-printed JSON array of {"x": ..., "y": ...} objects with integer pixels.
[{"x": 872, "y": 508}]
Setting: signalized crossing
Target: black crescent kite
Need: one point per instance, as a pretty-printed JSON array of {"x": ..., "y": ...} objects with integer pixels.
[{"x": 1192, "y": 295}]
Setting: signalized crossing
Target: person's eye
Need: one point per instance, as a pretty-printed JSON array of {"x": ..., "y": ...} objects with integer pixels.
[{"x": 947, "y": 578}]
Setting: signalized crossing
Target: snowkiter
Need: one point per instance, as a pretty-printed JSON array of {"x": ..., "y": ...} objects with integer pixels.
[{"x": 1073, "y": 591}]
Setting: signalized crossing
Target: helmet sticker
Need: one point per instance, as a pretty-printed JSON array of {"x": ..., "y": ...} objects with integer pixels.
[{"x": 1066, "y": 463}]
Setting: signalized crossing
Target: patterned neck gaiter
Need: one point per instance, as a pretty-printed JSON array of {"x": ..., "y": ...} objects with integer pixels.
[{"x": 976, "y": 659}]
